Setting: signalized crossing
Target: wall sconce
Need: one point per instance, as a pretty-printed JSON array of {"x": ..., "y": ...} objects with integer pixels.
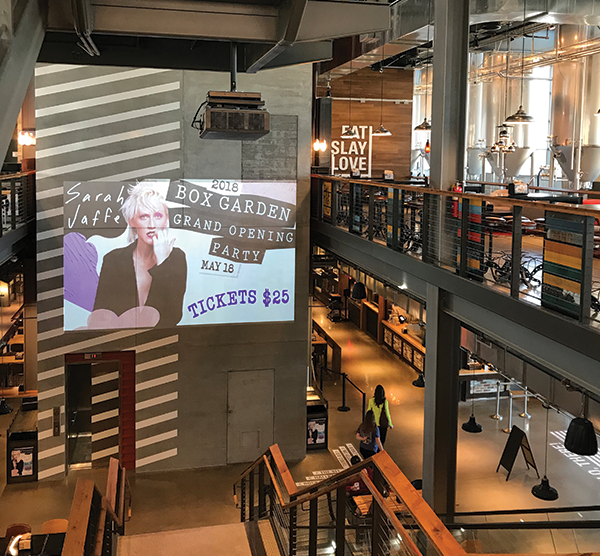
[
  {"x": 320, "y": 146},
  {"x": 26, "y": 138}
]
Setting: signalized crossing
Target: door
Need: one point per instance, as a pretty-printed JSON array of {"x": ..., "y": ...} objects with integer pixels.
[
  {"x": 106, "y": 391},
  {"x": 250, "y": 397},
  {"x": 79, "y": 415}
]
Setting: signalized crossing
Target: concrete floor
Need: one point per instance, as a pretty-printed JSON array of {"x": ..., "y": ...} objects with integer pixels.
[{"x": 190, "y": 499}]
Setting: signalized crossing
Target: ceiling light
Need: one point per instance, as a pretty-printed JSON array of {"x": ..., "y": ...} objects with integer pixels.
[
  {"x": 26, "y": 138},
  {"x": 350, "y": 134},
  {"x": 381, "y": 132},
  {"x": 519, "y": 117},
  {"x": 423, "y": 126},
  {"x": 427, "y": 147}
]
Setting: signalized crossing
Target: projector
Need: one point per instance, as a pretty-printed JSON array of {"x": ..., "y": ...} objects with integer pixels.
[{"x": 232, "y": 115}]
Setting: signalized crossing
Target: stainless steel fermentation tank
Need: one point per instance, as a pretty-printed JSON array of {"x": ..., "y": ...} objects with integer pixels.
[
  {"x": 575, "y": 101},
  {"x": 491, "y": 100}
]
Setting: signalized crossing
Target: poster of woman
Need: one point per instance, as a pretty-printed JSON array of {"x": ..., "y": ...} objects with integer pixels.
[{"x": 161, "y": 253}]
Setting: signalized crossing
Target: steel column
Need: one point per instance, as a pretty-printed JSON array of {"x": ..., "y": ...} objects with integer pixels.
[
  {"x": 441, "y": 405},
  {"x": 449, "y": 102}
]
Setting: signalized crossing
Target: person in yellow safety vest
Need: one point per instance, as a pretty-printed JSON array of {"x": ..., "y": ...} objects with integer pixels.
[{"x": 381, "y": 409}]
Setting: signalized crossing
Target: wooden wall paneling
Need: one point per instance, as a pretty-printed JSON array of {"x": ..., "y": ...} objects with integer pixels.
[{"x": 388, "y": 153}]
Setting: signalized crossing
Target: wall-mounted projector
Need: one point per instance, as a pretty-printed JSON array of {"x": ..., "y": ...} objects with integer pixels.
[{"x": 232, "y": 115}]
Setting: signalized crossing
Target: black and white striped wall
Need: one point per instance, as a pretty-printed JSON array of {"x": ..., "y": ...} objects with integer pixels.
[{"x": 120, "y": 124}]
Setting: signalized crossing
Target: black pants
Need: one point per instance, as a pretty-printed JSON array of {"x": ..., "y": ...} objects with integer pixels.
[
  {"x": 366, "y": 453},
  {"x": 383, "y": 434}
]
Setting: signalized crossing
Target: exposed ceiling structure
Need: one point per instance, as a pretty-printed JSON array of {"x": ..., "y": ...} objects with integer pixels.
[
  {"x": 491, "y": 21},
  {"x": 194, "y": 34}
]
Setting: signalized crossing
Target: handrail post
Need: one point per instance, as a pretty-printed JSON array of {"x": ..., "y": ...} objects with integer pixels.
[
  {"x": 350, "y": 206},
  {"x": 364, "y": 405},
  {"x": 313, "y": 527},
  {"x": 587, "y": 268},
  {"x": 464, "y": 237},
  {"x": 516, "y": 251},
  {"x": 401, "y": 202},
  {"x": 251, "y": 495},
  {"x": 344, "y": 407},
  {"x": 425, "y": 229},
  {"x": 340, "y": 522},
  {"x": 371, "y": 211},
  {"x": 262, "y": 503},
  {"x": 334, "y": 202},
  {"x": 13, "y": 205},
  {"x": 394, "y": 219},
  {"x": 293, "y": 532},
  {"x": 243, "y": 499}
]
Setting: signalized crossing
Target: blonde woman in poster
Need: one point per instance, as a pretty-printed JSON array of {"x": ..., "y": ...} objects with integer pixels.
[{"x": 150, "y": 271}]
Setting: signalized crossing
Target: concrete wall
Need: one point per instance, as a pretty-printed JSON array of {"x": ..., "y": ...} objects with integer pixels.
[{"x": 180, "y": 423}]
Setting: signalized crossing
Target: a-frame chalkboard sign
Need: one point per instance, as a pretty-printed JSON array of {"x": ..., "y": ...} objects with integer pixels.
[{"x": 517, "y": 439}]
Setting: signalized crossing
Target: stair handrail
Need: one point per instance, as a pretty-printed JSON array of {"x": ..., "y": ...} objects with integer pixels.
[{"x": 439, "y": 537}]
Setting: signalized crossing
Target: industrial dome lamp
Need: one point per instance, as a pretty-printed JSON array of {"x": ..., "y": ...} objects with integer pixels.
[
  {"x": 358, "y": 290},
  {"x": 520, "y": 117},
  {"x": 581, "y": 437},
  {"x": 544, "y": 491}
]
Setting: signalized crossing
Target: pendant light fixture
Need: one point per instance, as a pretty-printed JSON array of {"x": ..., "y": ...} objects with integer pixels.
[
  {"x": 425, "y": 125},
  {"x": 350, "y": 133},
  {"x": 520, "y": 116},
  {"x": 472, "y": 425},
  {"x": 358, "y": 290},
  {"x": 381, "y": 131},
  {"x": 544, "y": 491},
  {"x": 581, "y": 437}
]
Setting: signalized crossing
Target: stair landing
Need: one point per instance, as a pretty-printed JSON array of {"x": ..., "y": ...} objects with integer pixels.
[{"x": 217, "y": 540}]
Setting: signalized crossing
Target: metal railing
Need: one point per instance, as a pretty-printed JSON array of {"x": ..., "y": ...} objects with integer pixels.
[
  {"x": 478, "y": 237},
  {"x": 17, "y": 200},
  {"x": 389, "y": 517}
]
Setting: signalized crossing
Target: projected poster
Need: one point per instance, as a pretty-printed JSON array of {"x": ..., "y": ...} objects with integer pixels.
[{"x": 163, "y": 253}]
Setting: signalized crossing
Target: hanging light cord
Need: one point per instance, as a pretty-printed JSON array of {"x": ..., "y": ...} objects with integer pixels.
[
  {"x": 382, "y": 59},
  {"x": 426, "y": 72},
  {"x": 523, "y": 51},
  {"x": 506, "y": 87},
  {"x": 546, "y": 455},
  {"x": 350, "y": 101}
]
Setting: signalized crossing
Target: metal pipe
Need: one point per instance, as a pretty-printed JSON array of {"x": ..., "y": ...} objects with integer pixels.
[
  {"x": 509, "y": 428},
  {"x": 497, "y": 415},
  {"x": 525, "y": 415}
]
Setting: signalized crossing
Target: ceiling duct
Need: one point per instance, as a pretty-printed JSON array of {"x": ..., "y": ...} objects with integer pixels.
[{"x": 83, "y": 20}]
